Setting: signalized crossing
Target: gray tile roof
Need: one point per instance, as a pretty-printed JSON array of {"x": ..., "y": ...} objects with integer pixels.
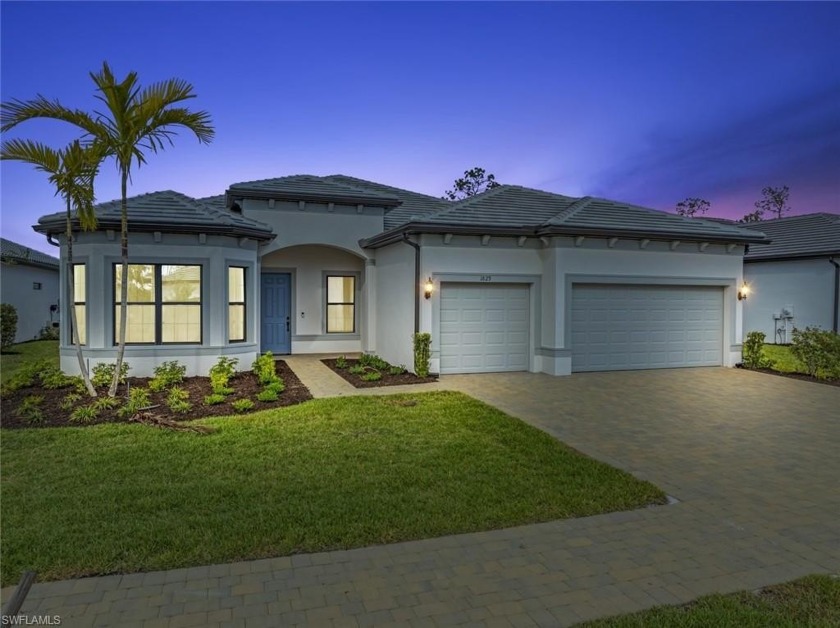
[
  {"x": 521, "y": 210},
  {"x": 313, "y": 188},
  {"x": 414, "y": 204},
  {"x": 808, "y": 235},
  {"x": 168, "y": 211},
  {"x": 506, "y": 205},
  {"x": 19, "y": 254}
]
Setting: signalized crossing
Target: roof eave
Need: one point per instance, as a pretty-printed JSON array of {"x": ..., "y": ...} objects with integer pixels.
[
  {"x": 396, "y": 234},
  {"x": 233, "y": 194},
  {"x": 58, "y": 227},
  {"x": 652, "y": 235},
  {"x": 412, "y": 228},
  {"x": 791, "y": 257}
]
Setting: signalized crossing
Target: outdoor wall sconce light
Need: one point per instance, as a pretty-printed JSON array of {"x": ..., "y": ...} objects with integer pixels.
[
  {"x": 428, "y": 288},
  {"x": 744, "y": 292}
]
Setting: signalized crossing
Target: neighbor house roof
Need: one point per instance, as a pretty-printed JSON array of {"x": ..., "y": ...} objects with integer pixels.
[
  {"x": 170, "y": 212},
  {"x": 515, "y": 210},
  {"x": 809, "y": 235},
  {"x": 19, "y": 254},
  {"x": 307, "y": 187}
]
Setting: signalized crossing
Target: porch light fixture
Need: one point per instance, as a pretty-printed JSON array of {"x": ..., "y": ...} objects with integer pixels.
[
  {"x": 744, "y": 292},
  {"x": 428, "y": 288}
]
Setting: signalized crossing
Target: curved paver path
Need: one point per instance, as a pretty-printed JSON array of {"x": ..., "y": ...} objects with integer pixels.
[{"x": 752, "y": 458}]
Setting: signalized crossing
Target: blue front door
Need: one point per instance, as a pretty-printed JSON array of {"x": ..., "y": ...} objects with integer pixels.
[{"x": 276, "y": 310}]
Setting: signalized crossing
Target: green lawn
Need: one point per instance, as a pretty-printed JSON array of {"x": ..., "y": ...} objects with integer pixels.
[
  {"x": 331, "y": 473},
  {"x": 27, "y": 352},
  {"x": 812, "y": 601}
]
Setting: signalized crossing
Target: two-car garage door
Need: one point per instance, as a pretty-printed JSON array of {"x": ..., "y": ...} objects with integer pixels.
[
  {"x": 617, "y": 327},
  {"x": 487, "y": 327}
]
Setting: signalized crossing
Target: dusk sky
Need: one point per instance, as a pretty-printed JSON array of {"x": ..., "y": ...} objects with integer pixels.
[{"x": 644, "y": 103}]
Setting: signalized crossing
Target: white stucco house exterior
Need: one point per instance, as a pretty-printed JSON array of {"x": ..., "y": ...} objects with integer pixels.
[
  {"x": 795, "y": 279},
  {"x": 520, "y": 279},
  {"x": 29, "y": 282}
]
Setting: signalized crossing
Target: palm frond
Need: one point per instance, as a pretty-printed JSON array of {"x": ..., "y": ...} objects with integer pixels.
[
  {"x": 14, "y": 112},
  {"x": 43, "y": 157}
]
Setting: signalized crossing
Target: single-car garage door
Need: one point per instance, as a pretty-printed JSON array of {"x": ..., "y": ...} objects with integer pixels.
[
  {"x": 618, "y": 327},
  {"x": 484, "y": 328}
]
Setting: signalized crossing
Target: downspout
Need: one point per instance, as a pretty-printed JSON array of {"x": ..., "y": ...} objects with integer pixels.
[
  {"x": 836, "y": 289},
  {"x": 416, "y": 281}
]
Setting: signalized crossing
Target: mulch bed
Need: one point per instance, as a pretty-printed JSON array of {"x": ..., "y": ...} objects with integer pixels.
[
  {"x": 245, "y": 385},
  {"x": 387, "y": 378},
  {"x": 800, "y": 376}
]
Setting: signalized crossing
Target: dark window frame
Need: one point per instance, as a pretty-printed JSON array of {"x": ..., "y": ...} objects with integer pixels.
[
  {"x": 243, "y": 303},
  {"x": 158, "y": 303},
  {"x": 329, "y": 303}
]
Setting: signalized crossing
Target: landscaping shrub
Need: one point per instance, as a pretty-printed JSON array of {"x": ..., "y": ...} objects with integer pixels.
[
  {"x": 242, "y": 405},
  {"x": 52, "y": 377},
  {"x": 396, "y": 370},
  {"x": 178, "y": 400},
  {"x": 357, "y": 369},
  {"x": 30, "y": 409},
  {"x": 167, "y": 374},
  {"x": 214, "y": 399},
  {"x": 220, "y": 374},
  {"x": 372, "y": 376},
  {"x": 8, "y": 325},
  {"x": 276, "y": 387},
  {"x": 84, "y": 414},
  {"x": 48, "y": 332},
  {"x": 341, "y": 362},
  {"x": 106, "y": 403},
  {"x": 69, "y": 401},
  {"x": 818, "y": 350},
  {"x": 753, "y": 351},
  {"x": 103, "y": 373},
  {"x": 373, "y": 361},
  {"x": 27, "y": 375},
  {"x": 138, "y": 399},
  {"x": 267, "y": 395},
  {"x": 422, "y": 354},
  {"x": 265, "y": 369}
]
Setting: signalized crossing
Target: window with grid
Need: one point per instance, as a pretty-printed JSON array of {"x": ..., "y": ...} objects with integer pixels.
[
  {"x": 164, "y": 304},
  {"x": 341, "y": 304}
]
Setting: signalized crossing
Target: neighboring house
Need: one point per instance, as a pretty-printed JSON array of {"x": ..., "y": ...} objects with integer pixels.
[
  {"x": 29, "y": 281},
  {"x": 795, "y": 279},
  {"x": 519, "y": 279}
]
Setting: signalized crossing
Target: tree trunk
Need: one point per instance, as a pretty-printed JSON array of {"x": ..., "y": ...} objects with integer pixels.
[
  {"x": 112, "y": 392},
  {"x": 71, "y": 304}
]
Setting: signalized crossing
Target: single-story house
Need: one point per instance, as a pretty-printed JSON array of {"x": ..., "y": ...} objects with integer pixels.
[
  {"x": 511, "y": 279},
  {"x": 29, "y": 282},
  {"x": 795, "y": 279}
]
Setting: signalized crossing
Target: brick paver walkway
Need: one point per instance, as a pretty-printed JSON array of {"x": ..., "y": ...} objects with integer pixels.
[{"x": 751, "y": 457}]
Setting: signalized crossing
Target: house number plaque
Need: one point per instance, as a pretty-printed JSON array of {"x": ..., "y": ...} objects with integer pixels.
[{"x": 486, "y": 278}]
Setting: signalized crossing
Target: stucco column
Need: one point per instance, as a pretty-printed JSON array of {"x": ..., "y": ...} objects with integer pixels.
[{"x": 369, "y": 307}]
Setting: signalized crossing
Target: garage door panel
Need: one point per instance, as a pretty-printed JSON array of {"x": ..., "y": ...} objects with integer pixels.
[
  {"x": 634, "y": 327},
  {"x": 488, "y": 327}
]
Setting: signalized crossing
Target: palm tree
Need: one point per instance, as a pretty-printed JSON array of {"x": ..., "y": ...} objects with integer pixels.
[
  {"x": 135, "y": 121},
  {"x": 72, "y": 171}
]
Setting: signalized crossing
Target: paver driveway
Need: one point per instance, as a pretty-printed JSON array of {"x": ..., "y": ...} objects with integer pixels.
[{"x": 752, "y": 458}]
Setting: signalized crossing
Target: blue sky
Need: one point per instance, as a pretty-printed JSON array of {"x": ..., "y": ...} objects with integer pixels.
[{"x": 645, "y": 103}]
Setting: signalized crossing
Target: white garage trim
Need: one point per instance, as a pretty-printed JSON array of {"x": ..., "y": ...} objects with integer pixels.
[
  {"x": 642, "y": 326},
  {"x": 484, "y": 327}
]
